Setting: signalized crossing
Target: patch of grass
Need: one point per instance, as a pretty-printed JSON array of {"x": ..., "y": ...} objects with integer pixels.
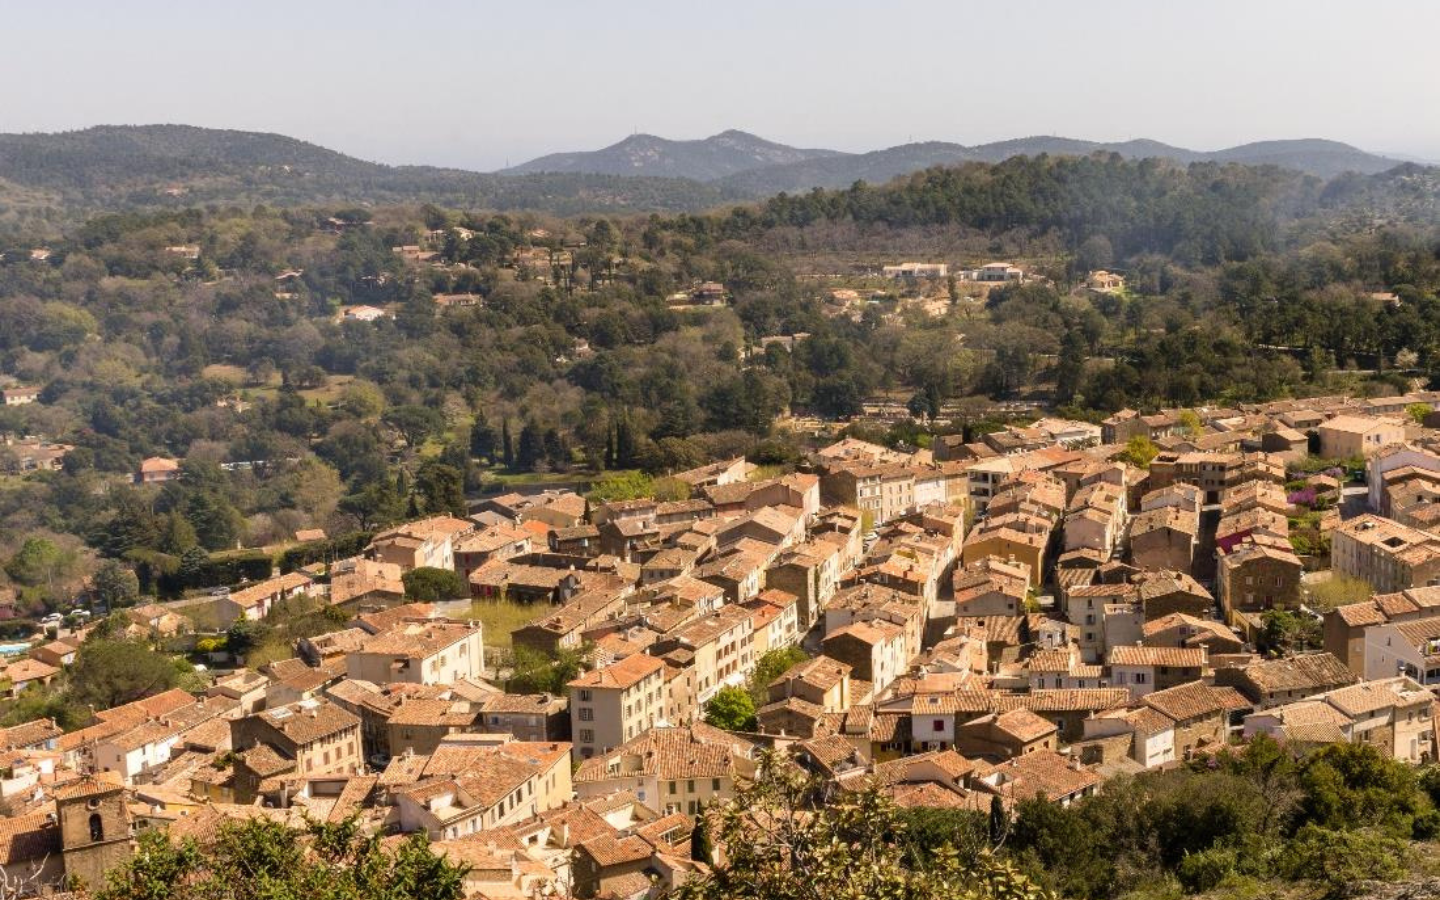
[
  {"x": 272, "y": 650},
  {"x": 511, "y": 479},
  {"x": 330, "y": 393},
  {"x": 226, "y": 372},
  {"x": 500, "y": 617}
]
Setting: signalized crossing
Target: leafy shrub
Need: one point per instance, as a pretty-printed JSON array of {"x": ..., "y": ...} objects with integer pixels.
[
  {"x": 1204, "y": 871},
  {"x": 1338, "y": 859}
]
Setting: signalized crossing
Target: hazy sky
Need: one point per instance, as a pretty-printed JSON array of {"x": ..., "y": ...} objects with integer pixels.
[{"x": 478, "y": 84}]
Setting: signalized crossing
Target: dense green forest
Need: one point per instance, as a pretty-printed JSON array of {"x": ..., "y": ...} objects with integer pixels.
[{"x": 1244, "y": 284}]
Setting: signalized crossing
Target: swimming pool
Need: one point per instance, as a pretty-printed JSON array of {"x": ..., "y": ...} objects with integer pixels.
[{"x": 13, "y": 649}]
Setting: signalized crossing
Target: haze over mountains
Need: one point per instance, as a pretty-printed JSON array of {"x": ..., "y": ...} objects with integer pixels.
[
  {"x": 755, "y": 166},
  {"x": 146, "y": 166},
  {"x": 124, "y": 166}
]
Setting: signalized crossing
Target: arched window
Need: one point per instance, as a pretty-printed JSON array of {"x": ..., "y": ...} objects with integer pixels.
[{"x": 97, "y": 827}]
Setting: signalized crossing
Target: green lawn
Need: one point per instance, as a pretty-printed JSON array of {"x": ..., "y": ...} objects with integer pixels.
[
  {"x": 500, "y": 617},
  {"x": 507, "y": 479}
]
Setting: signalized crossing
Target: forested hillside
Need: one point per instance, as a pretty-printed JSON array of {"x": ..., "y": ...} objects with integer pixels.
[
  {"x": 523, "y": 346},
  {"x": 176, "y": 166}
]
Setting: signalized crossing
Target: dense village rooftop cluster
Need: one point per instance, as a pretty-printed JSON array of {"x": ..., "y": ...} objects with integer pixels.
[{"x": 1029, "y": 614}]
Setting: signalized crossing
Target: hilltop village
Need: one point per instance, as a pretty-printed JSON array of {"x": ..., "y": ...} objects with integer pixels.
[{"x": 969, "y": 626}]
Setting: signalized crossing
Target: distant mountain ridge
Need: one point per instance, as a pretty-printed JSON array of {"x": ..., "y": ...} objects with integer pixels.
[
  {"x": 750, "y": 165},
  {"x": 712, "y": 158},
  {"x": 147, "y": 166},
  {"x": 109, "y": 168}
]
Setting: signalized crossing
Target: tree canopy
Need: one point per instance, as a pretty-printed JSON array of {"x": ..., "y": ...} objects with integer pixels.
[{"x": 259, "y": 858}]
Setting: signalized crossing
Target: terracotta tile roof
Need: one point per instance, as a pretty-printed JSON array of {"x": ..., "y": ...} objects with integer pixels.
[
  {"x": 28, "y": 734},
  {"x": 1172, "y": 657},
  {"x": 523, "y": 703},
  {"x": 929, "y": 795},
  {"x": 23, "y": 670},
  {"x": 1148, "y": 720},
  {"x": 1043, "y": 701},
  {"x": 1153, "y": 585},
  {"x": 309, "y": 720},
  {"x": 1194, "y": 700},
  {"x": 1024, "y": 725},
  {"x": 261, "y": 590},
  {"x": 27, "y": 838},
  {"x": 1366, "y": 612},
  {"x": 623, "y": 674},
  {"x": 264, "y": 761},
  {"x": 1043, "y": 772},
  {"x": 1371, "y": 696},
  {"x": 385, "y": 619},
  {"x": 831, "y": 751},
  {"x": 1310, "y": 671},
  {"x": 1310, "y": 712},
  {"x": 881, "y": 727},
  {"x": 998, "y": 629},
  {"x": 669, "y": 753},
  {"x": 793, "y": 705},
  {"x": 426, "y": 529},
  {"x": 434, "y": 713},
  {"x": 418, "y": 639},
  {"x": 88, "y": 785},
  {"x": 608, "y": 850},
  {"x": 821, "y": 672},
  {"x": 909, "y": 768},
  {"x": 1051, "y": 660},
  {"x": 489, "y": 540},
  {"x": 351, "y": 579}
]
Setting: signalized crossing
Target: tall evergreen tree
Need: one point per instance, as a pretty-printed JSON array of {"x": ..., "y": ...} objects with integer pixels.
[
  {"x": 624, "y": 444},
  {"x": 531, "y": 450},
  {"x": 482, "y": 439},
  {"x": 700, "y": 847}
]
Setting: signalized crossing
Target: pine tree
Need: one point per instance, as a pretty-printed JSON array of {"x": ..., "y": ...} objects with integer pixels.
[{"x": 507, "y": 448}]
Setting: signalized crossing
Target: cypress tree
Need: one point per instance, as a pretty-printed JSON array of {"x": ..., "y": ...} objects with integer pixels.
[
  {"x": 700, "y": 849},
  {"x": 998, "y": 821}
]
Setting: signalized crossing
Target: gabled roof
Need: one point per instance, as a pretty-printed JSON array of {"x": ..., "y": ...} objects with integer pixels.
[
  {"x": 1172, "y": 657},
  {"x": 669, "y": 753},
  {"x": 1309, "y": 671},
  {"x": 1194, "y": 700},
  {"x": 623, "y": 674}
]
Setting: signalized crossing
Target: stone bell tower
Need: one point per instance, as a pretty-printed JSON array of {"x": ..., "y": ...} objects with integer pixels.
[{"x": 95, "y": 827}]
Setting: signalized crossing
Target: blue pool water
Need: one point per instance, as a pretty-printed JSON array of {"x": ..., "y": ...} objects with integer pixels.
[{"x": 13, "y": 649}]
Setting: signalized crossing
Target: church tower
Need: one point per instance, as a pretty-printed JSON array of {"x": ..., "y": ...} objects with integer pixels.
[{"x": 95, "y": 827}]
